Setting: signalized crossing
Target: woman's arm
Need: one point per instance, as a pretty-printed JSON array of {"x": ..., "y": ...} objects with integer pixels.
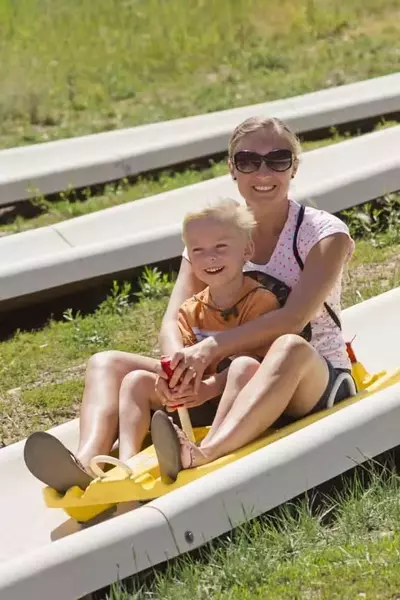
[
  {"x": 322, "y": 268},
  {"x": 185, "y": 286}
]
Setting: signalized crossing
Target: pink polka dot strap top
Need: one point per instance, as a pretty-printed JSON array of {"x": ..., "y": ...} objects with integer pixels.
[{"x": 315, "y": 225}]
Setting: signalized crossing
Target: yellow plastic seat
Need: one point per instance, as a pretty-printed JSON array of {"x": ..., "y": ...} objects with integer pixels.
[{"x": 141, "y": 481}]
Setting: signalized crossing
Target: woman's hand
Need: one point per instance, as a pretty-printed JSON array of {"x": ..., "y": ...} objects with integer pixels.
[{"x": 190, "y": 363}]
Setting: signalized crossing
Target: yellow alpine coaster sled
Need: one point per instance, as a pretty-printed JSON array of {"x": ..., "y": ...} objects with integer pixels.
[{"x": 139, "y": 479}]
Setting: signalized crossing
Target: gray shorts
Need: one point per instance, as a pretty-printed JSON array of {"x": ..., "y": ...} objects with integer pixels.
[{"x": 342, "y": 393}]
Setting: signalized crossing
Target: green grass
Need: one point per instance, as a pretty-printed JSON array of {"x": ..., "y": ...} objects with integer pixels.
[
  {"x": 347, "y": 548},
  {"x": 41, "y": 371},
  {"x": 82, "y": 66},
  {"x": 67, "y": 206}
]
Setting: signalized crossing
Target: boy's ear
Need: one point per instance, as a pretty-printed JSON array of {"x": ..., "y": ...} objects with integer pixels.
[{"x": 249, "y": 250}]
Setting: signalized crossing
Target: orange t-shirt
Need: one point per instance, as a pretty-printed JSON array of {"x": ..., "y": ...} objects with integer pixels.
[{"x": 198, "y": 318}]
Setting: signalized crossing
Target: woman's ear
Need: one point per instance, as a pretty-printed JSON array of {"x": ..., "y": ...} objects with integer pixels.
[
  {"x": 295, "y": 167},
  {"x": 231, "y": 169}
]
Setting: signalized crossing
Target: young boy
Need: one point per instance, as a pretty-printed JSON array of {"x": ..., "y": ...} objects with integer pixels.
[{"x": 218, "y": 242}]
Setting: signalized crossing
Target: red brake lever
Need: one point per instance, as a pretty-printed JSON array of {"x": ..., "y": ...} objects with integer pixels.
[{"x": 166, "y": 366}]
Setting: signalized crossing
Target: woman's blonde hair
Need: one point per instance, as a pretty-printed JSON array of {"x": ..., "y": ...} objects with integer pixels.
[
  {"x": 226, "y": 211},
  {"x": 255, "y": 124}
]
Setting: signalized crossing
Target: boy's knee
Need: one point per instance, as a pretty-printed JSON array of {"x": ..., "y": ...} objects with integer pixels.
[
  {"x": 244, "y": 367},
  {"x": 135, "y": 378}
]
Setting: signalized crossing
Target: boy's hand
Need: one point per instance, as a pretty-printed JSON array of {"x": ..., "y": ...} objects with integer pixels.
[
  {"x": 188, "y": 397},
  {"x": 162, "y": 389}
]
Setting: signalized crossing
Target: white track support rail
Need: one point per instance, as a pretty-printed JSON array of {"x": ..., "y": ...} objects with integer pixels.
[
  {"x": 145, "y": 231},
  {"x": 42, "y": 555},
  {"x": 55, "y": 166}
]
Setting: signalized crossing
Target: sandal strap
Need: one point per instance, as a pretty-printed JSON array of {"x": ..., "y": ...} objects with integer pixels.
[
  {"x": 78, "y": 463},
  {"x": 191, "y": 464},
  {"x": 185, "y": 440}
]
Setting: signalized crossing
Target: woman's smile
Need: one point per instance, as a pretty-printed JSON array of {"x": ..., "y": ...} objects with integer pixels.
[{"x": 264, "y": 188}]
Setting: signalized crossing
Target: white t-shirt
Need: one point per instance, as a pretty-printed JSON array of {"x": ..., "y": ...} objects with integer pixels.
[{"x": 327, "y": 338}]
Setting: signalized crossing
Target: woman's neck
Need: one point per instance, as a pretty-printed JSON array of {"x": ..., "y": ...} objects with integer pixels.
[
  {"x": 266, "y": 234},
  {"x": 225, "y": 296},
  {"x": 271, "y": 223}
]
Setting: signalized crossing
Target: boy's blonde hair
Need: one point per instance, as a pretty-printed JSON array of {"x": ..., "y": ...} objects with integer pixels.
[
  {"x": 226, "y": 211},
  {"x": 255, "y": 124}
]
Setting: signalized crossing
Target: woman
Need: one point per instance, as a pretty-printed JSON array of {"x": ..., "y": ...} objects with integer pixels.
[
  {"x": 296, "y": 376},
  {"x": 306, "y": 249}
]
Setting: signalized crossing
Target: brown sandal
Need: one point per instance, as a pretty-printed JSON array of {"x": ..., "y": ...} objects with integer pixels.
[
  {"x": 52, "y": 463},
  {"x": 167, "y": 446}
]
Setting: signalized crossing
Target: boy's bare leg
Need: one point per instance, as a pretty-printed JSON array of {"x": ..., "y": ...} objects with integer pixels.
[
  {"x": 99, "y": 412},
  {"x": 240, "y": 371},
  {"x": 136, "y": 400}
]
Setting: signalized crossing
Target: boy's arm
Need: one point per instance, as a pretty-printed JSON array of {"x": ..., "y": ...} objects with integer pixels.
[
  {"x": 212, "y": 385},
  {"x": 185, "y": 286},
  {"x": 185, "y": 329}
]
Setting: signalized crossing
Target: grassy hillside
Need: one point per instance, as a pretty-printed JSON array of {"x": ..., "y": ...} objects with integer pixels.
[{"x": 69, "y": 68}]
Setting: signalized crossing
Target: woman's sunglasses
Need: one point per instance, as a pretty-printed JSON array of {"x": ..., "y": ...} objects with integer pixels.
[{"x": 276, "y": 160}]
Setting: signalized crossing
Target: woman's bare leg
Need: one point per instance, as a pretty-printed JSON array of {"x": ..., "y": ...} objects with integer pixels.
[
  {"x": 136, "y": 400},
  {"x": 99, "y": 412},
  {"x": 240, "y": 371},
  {"x": 291, "y": 380}
]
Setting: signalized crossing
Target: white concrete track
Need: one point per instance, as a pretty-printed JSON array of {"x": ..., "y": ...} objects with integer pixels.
[
  {"x": 54, "y": 166},
  {"x": 44, "y": 555},
  {"x": 145, "y": 231}
]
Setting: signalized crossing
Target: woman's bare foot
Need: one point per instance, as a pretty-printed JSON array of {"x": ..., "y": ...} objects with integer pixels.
[{"x": 174, "y": 451}]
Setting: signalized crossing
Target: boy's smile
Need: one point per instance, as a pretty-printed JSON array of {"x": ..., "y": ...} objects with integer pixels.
[{"x": 217, "y": 251}]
